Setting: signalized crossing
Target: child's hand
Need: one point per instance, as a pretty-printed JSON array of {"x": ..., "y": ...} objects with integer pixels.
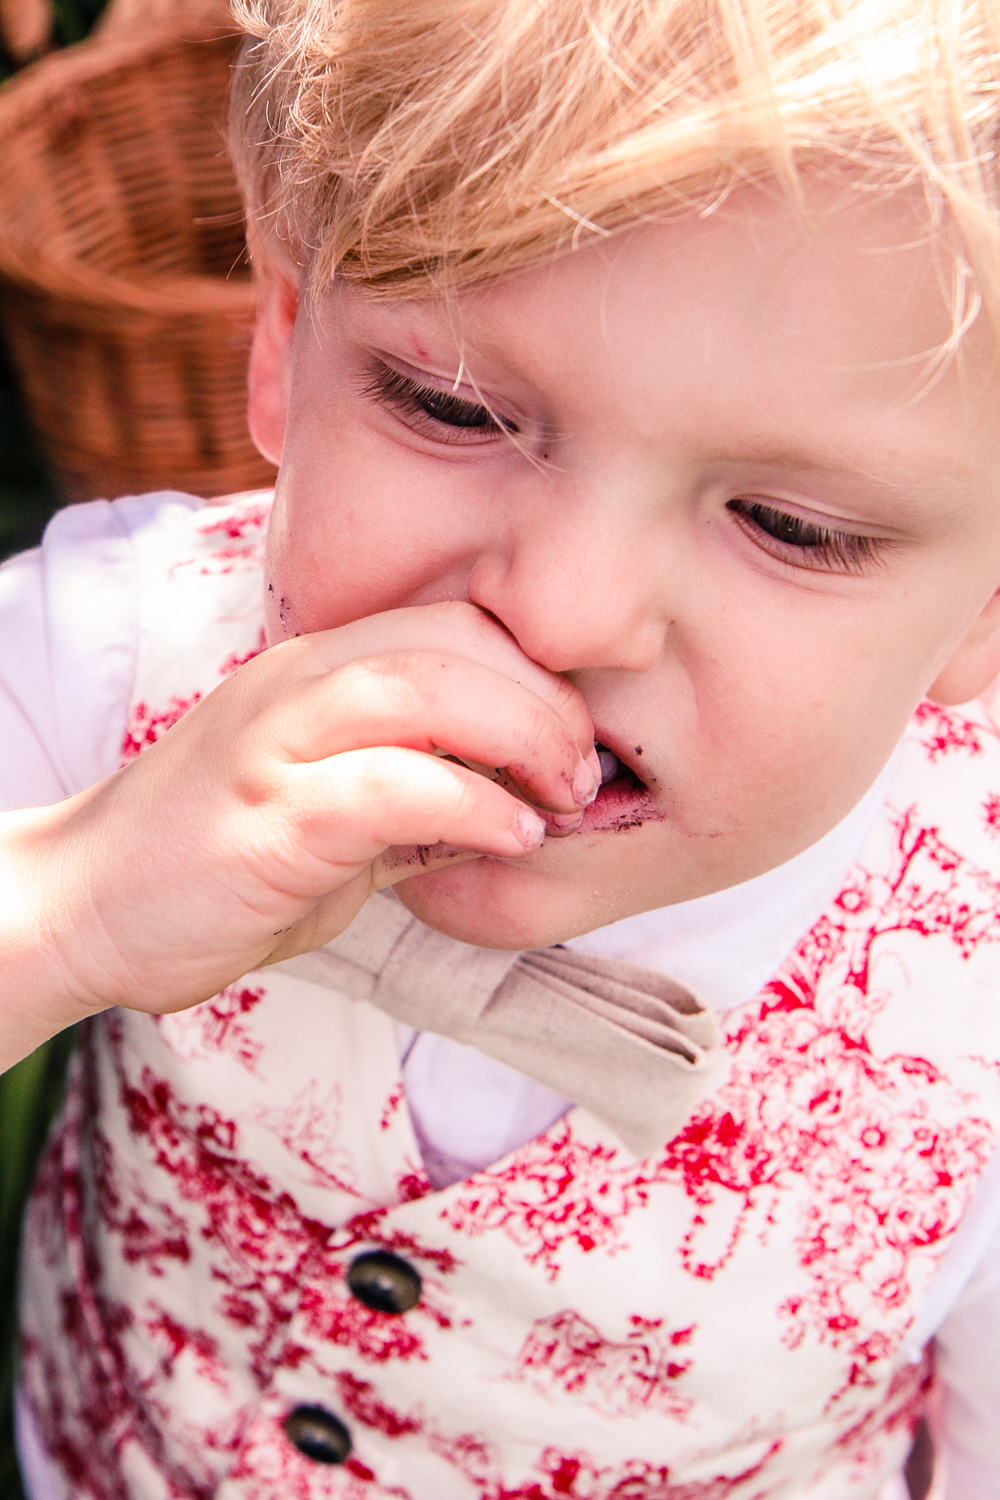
[{"x": 260, "y": 823}]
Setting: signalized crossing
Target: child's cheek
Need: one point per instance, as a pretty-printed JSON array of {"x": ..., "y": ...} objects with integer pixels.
[{"x": 281, "y": 618}]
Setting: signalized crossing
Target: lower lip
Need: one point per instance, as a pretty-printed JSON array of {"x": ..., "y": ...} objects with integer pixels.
[{"x": 620, "y": 805}]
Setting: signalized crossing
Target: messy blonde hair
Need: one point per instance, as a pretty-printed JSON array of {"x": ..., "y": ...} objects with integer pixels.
[{"x": 417, "y": 144}]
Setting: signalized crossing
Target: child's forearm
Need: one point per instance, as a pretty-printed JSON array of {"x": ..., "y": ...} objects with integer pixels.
[{"x": 44, "y": 983}]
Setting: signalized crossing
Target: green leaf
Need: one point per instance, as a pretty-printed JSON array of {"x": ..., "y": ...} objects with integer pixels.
[{"x": 30, "y": 1095}]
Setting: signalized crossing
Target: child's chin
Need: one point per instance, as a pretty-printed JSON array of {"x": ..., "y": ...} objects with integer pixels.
[{"x": 492, "y": 904}]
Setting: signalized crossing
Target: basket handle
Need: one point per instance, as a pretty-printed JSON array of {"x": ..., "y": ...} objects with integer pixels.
[
  {"x": 26, "y": 28},
  {"x": 121, "y": 18}
]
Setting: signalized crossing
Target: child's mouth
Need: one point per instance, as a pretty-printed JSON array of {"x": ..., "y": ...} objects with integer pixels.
[
  {"x": 623, "y": 800},
  {"x": 618, "y": 780}
]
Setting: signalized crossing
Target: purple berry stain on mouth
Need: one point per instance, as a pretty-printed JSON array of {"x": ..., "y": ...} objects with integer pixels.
[{"x": 628, "y": 802}]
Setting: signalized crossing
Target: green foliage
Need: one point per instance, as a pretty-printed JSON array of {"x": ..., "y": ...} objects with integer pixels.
[
  {"x": 27, "y": 495},
  {"x": 30, "y": 1094},
  {"x": 74, "y": 18}
]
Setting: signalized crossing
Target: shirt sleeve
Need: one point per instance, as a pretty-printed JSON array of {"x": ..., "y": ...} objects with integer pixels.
[
  {"x": 967, "y": 1361},
  {"x": 28, "y": 777},
  {"x": 68, "y": 646}
]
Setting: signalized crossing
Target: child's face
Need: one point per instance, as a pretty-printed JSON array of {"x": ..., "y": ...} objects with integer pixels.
[{"x": 744, "y": 511}]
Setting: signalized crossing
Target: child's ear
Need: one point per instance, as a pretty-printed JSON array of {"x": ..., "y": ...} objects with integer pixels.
[
  {"x": 268, "y": 376},
  {"x": 976, "y": 661}
]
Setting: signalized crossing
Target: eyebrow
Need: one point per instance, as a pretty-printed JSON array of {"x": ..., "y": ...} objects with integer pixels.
[{"x": 846, "y": 457}]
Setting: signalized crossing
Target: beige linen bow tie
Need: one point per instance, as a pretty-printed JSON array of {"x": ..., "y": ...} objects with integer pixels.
[{"x": 631, "y": 1045}]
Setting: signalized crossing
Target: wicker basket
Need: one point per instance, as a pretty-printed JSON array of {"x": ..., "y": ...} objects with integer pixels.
[{"x": 124, "y": 291}]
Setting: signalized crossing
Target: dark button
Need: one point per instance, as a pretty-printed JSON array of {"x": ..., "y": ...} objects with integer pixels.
[
  {"x": 318, "y": 1434},
  {"x": 384, "y": 1281}
]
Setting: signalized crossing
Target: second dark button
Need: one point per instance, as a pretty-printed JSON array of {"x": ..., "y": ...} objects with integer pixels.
[
  {"x": 384, "y": 1281},
  {"x": 318, "y": 1434}
]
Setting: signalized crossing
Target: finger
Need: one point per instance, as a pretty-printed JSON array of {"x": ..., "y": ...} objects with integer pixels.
[
  {"x": 430, "y": 701},
  {"x": 349, "y": 810},
  {"x": 454, "y": 627},
  {"x": 328, "y": 917},
  {"x": 403, "y": 861}
]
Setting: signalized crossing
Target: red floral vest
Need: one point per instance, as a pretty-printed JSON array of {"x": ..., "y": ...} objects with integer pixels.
[{"x": 725, "y": 1319}]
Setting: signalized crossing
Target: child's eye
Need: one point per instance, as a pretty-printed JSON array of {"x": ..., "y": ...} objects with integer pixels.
[
  {"x": 804, "y": 543},
  {"x": 440, "y": 414}
]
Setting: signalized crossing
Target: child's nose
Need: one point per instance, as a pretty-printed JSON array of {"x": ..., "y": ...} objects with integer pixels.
[{"x": 575, "y": 607}]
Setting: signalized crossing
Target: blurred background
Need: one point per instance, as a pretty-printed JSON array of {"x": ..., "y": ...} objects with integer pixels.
[
  {"x": 126, "y": 307},
  {"x": 27, "y": 494},
  {"x": 125, "y": 295}
]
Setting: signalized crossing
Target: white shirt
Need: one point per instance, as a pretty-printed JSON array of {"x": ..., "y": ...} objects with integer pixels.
[{"x": 71, "y": 620}]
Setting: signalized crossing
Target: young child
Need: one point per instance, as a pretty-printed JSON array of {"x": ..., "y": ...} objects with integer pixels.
[{"x": 633, "y": 373}]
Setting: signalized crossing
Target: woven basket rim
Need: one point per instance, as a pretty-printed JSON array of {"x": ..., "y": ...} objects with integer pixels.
[{"x": 34, "y": 270}]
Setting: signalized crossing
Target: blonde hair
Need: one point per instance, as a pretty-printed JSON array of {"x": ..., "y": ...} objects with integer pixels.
[{"x": 410, "y": 145}]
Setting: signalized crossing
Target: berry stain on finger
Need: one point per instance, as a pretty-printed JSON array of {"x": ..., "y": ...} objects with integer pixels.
[
  {"x": 559, "y": 825},
  {"x": 586, "y": 783},
  {"x": 529, "y": 827}
]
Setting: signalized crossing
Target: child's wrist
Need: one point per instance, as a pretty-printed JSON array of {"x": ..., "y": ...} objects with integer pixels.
[{"x": 44, "y": 981}]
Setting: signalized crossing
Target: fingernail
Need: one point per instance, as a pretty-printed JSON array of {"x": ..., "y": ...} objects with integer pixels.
[
  {"x": 559, "y": 824},
  {"x": 587, "y": 781},
  {"x": 529, "y": 827}
]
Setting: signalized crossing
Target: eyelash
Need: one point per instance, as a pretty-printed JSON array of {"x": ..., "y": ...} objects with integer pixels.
[
  {"x": 434, "y": 411},
  {"x": 438, "y": 412},
  {"x": 817, "y": 546}
]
